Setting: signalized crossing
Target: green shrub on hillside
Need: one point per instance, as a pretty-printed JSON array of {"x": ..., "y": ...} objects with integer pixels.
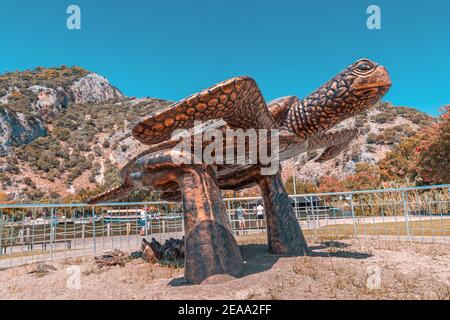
[
  {"x": 112, "y": 177},
  {"x": 384, "y": 117},
  {"x": 62, "y": 134},
  {"x": 49, "y": 77}
]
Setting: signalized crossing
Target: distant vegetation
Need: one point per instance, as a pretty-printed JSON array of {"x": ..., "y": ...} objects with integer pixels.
[
  {"x": 16, "y": 84},
  {"x": 419, "y": 159},
  {"x": 422, "y": 158},
  {"x": 74, "y": 146},
  {"x": 389, "y": 114},
  {"x": 79, "y": 140},
  {"x": 49, "y": 77}
]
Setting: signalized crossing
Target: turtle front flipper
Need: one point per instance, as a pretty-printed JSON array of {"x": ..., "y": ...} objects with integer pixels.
[
  {"x": 238, "y": 101},
  {"x": 334, "y": 142},
  {"x": 210, "y": 246},
  {"x": 279, "y": 108}
]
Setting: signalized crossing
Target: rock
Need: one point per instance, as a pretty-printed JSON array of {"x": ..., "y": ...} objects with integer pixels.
[
  {"x": 117, "y": 257},
  {"x": 172, "y": 252},
  {"x": 42, "y": 269},
  {"x": 218, "y": 279},
  {"x": 16, "y": 129},
  {"x": 349, "y": 167},
  {"x": 5, "y": 98},
  {"x": 137, "y": 255},
  {"x": 94, "y": 88},
  {"x": 367, "y": 158},
  {"x": 148, "y": 253},
  {"x": 50, "y": 96},
  {"x": 50, "y": 101}
]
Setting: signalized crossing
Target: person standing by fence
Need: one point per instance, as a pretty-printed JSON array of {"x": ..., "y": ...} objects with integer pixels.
[
  {"x": 259, "y": 215},
  {"x": 240, "y": 217},
  {"x": 143, "y": 222}
]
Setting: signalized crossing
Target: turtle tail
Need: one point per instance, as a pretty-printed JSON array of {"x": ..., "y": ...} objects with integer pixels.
[{"x": 116, "y": 194}]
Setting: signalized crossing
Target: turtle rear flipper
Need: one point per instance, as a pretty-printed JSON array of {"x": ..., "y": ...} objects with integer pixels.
[
  {"x": 331, "y": 152},
  {"x": 116, "y": 194}
]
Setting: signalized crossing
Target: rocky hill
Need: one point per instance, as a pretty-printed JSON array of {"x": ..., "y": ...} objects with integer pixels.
[
  {"x": 66, "y": 129},
  {"x": 31, "y": 98},
  {"x": 383, "y": 126}
]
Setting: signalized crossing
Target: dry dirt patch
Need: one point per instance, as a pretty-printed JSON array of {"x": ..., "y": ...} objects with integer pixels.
[{"x": 335, "y": 270}]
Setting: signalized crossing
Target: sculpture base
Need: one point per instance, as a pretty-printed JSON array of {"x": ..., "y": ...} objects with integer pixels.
[
  {"x": 283, "y": 229},
  {"x": 210, "y": 245}
]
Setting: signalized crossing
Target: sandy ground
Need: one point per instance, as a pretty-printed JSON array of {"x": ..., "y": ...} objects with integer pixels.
[{"x": 340, "y": 270}]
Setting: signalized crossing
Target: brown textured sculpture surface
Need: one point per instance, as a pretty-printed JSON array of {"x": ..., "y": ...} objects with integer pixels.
[
  {"x": 304, "y": 125},
  {"x": 171, "y": 252}
]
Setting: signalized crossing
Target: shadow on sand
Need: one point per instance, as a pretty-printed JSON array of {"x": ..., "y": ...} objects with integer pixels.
[{"x": 258, "y": 259}]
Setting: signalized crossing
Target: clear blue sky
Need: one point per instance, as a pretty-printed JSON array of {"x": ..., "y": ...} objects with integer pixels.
[{"x": 172, "y": 48}]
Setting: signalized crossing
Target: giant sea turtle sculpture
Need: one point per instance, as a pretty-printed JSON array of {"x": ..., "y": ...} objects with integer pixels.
[{"x": 302, "y": 125}]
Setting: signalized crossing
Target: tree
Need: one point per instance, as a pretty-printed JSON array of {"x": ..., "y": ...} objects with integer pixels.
[
  {"x": 301, "y": 187},
  {"x": 422, "y": 158},
  {"x": 396, "y": 166},
  {"x": 3, "y": 197},
  {"x": 331, "y": 184},
  {"x": 366, "y": 177},
  {"x": 431, "y": 158}
]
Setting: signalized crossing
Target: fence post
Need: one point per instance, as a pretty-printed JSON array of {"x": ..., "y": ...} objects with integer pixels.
[
  {"x": 182, "y": 217},
  {"x": 405, "y": 213},
  {"x": 146, "y": 220},
  {"x": 93, "y": 230},
  {"x": 311, "y": 204},
  {"x": 1, "y": 232},
  {"x": 21, "y": 235},
  {"x": 182, "y": 224},
  {"x": 83, "y": 231},
  {"x": 52, "y": 231},
  {"x": 353, "y": 216}
]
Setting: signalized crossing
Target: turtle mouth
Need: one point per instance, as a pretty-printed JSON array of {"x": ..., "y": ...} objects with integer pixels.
[
  {"x": 373, "y": 89},
  {"x": 378, "y": 86}
]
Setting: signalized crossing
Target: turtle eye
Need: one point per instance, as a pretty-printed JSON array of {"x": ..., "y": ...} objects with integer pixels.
[{"x": 364, "y": 66}]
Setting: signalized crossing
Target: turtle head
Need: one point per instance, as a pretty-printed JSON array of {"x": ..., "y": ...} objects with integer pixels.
[
  {"x": 354, "y": 90},
  {"x": 367, "y": 81}
]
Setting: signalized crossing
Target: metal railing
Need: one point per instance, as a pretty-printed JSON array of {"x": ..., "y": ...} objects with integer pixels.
[
  {"x": 48, "y": 231},
  {"x": 39, "y": 232},
  {"x": 415, "y": 213}
]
